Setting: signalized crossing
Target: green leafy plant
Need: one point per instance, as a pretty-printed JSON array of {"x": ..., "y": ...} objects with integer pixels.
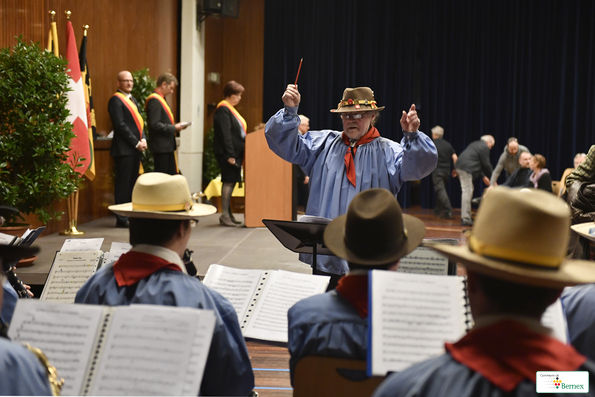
[
  {"x": 34, "y": 134},
  {"x": 144, "y": 85},
  {"x": 210, "y": 167}
]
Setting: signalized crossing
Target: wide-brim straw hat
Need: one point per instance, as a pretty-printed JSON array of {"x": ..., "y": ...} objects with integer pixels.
[
  {"x": 161, "y": 196},
  {"x": 374, "y": 231},
  {"x": 522, "y": 236},
  {"x": 583, "y": 229},
  {"x": 359, "y": 99}
]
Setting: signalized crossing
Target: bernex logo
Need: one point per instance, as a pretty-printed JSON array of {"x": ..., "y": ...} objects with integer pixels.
[{"x": 562, "y": 382}]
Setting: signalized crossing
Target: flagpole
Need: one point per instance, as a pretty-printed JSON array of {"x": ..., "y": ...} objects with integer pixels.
[{"x": 73, "y": 200}]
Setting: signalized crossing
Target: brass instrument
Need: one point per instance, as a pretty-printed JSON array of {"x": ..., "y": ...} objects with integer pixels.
[{"x": 55, "y": 381}]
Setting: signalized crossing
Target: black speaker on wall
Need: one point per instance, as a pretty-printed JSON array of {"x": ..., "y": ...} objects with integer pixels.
[
  {"x": 226, "y": 8},
  {"x": 230, "y": 8},
  {"x": 211, "y": 6}
]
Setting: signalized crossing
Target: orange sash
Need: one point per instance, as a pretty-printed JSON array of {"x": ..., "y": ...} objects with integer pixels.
[
  {"x": 237, "y": 115},
  {"x": 163, "y": 103},
  {"x": 138, "y": 120},
  {"x": 350, "y": 155}
]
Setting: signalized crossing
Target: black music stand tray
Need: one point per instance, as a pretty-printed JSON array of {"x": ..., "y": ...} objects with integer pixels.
[{"x": 300, "y": 237}]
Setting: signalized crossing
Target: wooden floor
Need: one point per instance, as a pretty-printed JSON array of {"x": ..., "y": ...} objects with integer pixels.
[{"x": 271, "y": 362}]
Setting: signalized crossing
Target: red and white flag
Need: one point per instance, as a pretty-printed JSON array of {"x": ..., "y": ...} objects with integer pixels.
[{"x": 79, "y": 146}]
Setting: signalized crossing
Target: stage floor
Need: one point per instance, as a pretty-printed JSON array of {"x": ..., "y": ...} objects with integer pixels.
[{"x": 254, "y": 248}]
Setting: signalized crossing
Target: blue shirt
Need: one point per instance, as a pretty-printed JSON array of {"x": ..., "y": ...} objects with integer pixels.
[
  {"x": 579, "y": 308},
  {"x": 228, "y": 369},
  {"x": 326, "y": 325},
  {"x": 381, "y": 163},
  {"x": 21, "y": 372},
  {"x": 9, "y": 302}
]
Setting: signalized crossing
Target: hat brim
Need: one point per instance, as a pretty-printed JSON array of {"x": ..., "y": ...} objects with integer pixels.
[
  {"x": 12, "y": 253},
  {"x": 570, "y": 272},
  {"x": 583, "y": 230},
  {"x": 334, "y": 240},
  {"x": 354, "y": 110},
  {"x": 196, "y": 211}
]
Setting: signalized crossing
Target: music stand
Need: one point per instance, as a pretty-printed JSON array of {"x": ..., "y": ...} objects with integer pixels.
[{"x": 300, "y": 237}]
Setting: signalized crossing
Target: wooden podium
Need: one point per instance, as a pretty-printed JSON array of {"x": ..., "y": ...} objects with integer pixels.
[{"x": 268, "y": 183}]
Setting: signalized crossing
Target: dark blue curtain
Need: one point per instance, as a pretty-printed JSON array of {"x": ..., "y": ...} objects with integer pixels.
[{"x": 505, "y": 68}]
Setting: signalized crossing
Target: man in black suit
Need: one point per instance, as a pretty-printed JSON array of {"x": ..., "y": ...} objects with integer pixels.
[
  {"x": 128, "y": 143},
  {"x": 162, "y": 129}
]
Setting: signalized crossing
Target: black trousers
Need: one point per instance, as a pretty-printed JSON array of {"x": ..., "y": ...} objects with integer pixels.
[
  {"x": 166, "y": 163},
  {"x": 126, "y": 173}
]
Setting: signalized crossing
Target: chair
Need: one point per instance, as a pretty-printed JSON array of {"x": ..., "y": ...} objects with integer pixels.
[
  {"x": 556, "y": 187},
  {"x": 329, "y": 376}
]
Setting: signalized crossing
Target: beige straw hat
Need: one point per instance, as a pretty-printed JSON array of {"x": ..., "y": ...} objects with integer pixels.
[
  {"x": 522, "y": 236},
  {"x": 161, "y": 196}
]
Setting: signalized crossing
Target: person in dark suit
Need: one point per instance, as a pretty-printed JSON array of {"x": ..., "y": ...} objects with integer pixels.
[
  {"x": 228, "y": 146},
  {"x": 128, "y": 143},
  {"x": 162, "y": 129}
]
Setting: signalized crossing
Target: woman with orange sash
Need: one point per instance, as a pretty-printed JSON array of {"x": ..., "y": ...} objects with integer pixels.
[{"x": 228, "y": 146}]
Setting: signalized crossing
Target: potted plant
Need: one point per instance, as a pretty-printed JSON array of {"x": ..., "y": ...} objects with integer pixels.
[{"x": 34, "y": 134}]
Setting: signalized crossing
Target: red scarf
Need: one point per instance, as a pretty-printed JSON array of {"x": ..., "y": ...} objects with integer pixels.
[
  {"x": 134, "y": 266},
  {"x": 508, "y": 352},
  {"x": 355, "y": 291},
  {"x": 350, "y": 155}
]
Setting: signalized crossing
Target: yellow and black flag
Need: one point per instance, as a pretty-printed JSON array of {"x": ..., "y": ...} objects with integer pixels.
[{"x": 90, "y": 172}]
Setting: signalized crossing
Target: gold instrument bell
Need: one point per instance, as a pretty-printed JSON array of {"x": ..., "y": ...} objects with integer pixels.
[{"x": 55, "y": 381}]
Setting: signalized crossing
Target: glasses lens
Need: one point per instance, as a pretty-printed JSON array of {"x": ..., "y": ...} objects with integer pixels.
[{"x": 355, "y": 116}]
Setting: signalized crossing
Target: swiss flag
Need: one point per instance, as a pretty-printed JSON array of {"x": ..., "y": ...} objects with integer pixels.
[{"x": 79, "y": 146}]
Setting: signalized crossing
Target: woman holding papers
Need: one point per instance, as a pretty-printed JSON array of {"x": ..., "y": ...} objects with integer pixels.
[{"x": 228, "y": 145}]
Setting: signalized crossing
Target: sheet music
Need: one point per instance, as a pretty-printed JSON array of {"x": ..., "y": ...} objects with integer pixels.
[
  {"x": 6, "y": 239},
  {"x": 65, "y": 333},
  {"x": 69, "y": 272},
  {"x": 147, "y": 350},
  {"x": 554, "y": 318},
  {"x": 115, "y": 252},
  {"x": 411, "y": 318},
  {"x": 424, "y": 260},
  {"x": 82, "y": 244},
  {"x": 281, "y": 291},
  {"x": 236, "y": 285}
]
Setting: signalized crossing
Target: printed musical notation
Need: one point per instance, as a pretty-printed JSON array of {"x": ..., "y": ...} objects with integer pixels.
[
  {"x": 424, "y": 260},
  {"x": 262, "y": 298},
  {"x": 412, "y": 316},
  {"x": 69, "y": 272}
]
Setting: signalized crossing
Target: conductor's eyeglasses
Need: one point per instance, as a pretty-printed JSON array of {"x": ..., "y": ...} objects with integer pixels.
[{"x": 353, "y": 116}]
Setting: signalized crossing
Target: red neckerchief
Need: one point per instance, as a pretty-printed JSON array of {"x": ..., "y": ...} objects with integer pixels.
[
  {"x": 508, "y": 352},
  {"x": 355, "y": 291},
  {"x": 134, "y": 266},
  {"x": 350, "y": 155}
]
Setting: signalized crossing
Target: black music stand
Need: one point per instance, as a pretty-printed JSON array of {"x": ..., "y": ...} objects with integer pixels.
[{"x": 300, "y": 237}]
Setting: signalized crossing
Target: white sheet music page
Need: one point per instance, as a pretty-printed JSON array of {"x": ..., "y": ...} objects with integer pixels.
[
  {"x": 64, "y": 332},
  {"x": 554, "y": 318},
  {"x": 424, "y": 260},
  {"x": 69, "y": 272},
  {"x": 148, "y": 348},
  {"x": 411, "y": 317},
  {"x": 82, "y": 244},
  {"x": 116, "y": 251},
  {"x": 236, "y": 285},
  {"x": 281, "y": 291}
]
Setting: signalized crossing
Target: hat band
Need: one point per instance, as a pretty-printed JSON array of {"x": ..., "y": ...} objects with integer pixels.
[
  {"x": 357, "y": 103},
  {"x": 165, "y": 208},
  {"x": 484, "y": 249}
]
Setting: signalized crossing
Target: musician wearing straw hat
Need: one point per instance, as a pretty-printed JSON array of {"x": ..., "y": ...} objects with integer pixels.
[
  {"x": 160, "y": 215},
  {"x": 21, "y": 373},
  {"x": 343, "y": 163},
  {"x": 374, "y": 234},
  {"x": 516, "y": 265}
]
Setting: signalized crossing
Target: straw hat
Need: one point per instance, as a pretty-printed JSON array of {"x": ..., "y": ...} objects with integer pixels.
[
  {"x": 162, "y": 196},
  {"x": 374, "y": 231},
  {"x": 360, "y": 99},
  {"x": 522, "y": 236},
  {"x": 584, "y": 228}
]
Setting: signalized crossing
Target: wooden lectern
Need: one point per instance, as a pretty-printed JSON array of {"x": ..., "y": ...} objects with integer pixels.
[{"x": 268, "y": 183}]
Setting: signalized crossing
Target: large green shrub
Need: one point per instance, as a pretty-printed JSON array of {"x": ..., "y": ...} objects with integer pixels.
[
  {"x": 144, "y": 85},
  {"x": 34, "y": 134}
]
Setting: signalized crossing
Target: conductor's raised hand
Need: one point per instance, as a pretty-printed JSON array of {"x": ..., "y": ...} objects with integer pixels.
[
  {"x": 409, "y": 121},
  {"x": 291, "y": 96}
]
